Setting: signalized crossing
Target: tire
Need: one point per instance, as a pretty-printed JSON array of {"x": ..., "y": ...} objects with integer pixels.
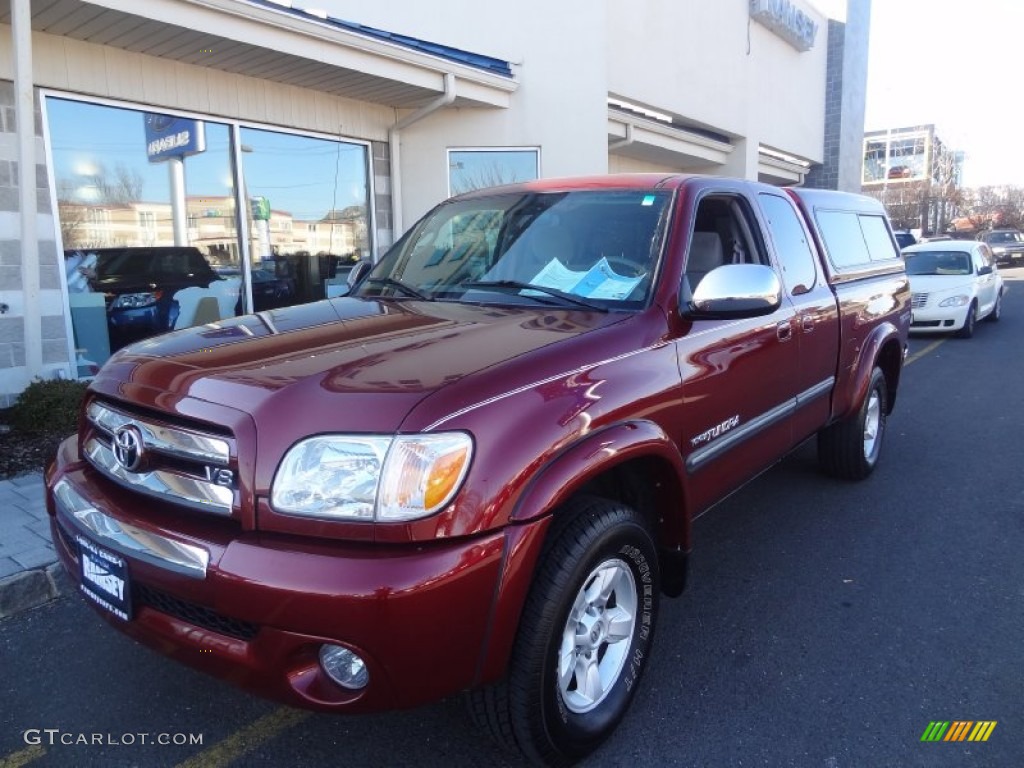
[
  {"x": 849, "y": 449},
  {"x": 969, "y": 322},
  {"x": 997, "y": 310},
  {"x": 545, "y": 708}
]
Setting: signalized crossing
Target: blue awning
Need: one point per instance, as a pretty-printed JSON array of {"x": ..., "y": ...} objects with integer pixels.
[{"x": 477, "y": 60}]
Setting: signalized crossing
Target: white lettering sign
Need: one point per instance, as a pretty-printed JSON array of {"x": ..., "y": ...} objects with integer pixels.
[
  {"x": 787, "y": 21},
  {"x": 180, "y": 139}
]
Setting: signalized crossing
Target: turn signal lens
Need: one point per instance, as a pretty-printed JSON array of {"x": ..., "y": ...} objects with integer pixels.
[{"x": 422, "y": 474}]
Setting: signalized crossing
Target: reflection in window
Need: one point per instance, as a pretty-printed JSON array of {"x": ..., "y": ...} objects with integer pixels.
[
  {"x": 874, "y": 160},
  {"x": 308, "y": 210},
  {"x": 147, "y": 216},
  {"x": 898, "y": 158},
  {"x": 132, "y": 272},
  {"x": 470, "y": 169}
]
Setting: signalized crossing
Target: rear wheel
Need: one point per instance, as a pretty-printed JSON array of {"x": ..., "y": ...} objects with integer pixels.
[
  {"x": 850, "y": 448},
  {"x": 584, "y": 637},
  {"x": 969, "y": 322}
]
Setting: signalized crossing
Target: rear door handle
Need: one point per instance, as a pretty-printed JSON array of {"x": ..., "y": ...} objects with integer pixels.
[
  {"x": 784, "y": 330},
  {"x": 807, "y": 323}
]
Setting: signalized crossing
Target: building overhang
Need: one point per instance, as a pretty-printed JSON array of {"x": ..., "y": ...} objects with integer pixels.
[
  {"x": 275, "y": 42},
  {"x": 776, "y": 168},
  {"x": 653, "y": 141}
]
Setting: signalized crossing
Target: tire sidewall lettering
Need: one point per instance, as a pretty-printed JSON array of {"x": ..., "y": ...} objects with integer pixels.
[{"x": 588, "y": 726}]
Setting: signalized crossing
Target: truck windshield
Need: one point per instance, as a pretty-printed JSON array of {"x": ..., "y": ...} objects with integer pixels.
[{"x": 586, "y": 249}]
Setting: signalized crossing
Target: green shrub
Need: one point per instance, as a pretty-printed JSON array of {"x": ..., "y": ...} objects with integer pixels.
[{"x": 48, "y": 407}]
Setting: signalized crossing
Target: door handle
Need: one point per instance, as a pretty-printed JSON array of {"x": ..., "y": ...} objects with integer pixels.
[
  {"x": 807, "y": 323},
  {"x": 784, "y": 330}
]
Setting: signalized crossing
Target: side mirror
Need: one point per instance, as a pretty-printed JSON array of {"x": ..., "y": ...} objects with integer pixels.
[
  {"x": 357, "y": 273},
  {"x": 986, "y": 270},
  {"x": 734, "y": 291}
]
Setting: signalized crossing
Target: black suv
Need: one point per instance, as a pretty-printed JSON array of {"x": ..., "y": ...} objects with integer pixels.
[
  {"x": 1007, "y": 245},
  {"x": 140, "y": 286}
]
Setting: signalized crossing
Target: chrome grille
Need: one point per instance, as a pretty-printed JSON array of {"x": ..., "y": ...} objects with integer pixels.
[
  {"x": 180, "y": 462},
  {"x": 918, "y": 300}
]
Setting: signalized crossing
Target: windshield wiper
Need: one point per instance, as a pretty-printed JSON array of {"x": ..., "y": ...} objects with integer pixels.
[
  {"x": 517, "y": 285},
  {"x": 405, "y": 288}
]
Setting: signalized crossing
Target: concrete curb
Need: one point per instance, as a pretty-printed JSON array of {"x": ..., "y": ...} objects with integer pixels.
[{"x": 29, "y": 589}]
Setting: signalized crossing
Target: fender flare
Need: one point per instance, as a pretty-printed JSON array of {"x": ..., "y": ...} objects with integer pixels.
[
  {"x": 576, "y": 464},
  {"x": 553, "y": 483},
  {"x": 873, "y": 349}
]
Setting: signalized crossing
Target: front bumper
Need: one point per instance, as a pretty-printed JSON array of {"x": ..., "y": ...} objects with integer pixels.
[
  {"x": 1009, "y": 258},
  {"x": 255, "y": 608},
  {"x": 938, "y": 319}
]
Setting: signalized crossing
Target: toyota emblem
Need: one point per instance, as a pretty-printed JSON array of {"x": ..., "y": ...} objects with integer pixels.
[{"x": 128, "y": 447}]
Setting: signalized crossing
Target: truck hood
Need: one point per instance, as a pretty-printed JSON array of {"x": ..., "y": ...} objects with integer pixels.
[{"x": 290, "y": 365}]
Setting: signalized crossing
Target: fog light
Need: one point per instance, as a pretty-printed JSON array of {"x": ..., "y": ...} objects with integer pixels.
[{"x": 344, "y": 667}]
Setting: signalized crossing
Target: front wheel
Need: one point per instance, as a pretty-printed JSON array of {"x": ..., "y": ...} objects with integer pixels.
[
  {"x": 584, "y": 637},
  {"x": 969, "y": 322},
  {"x": 850, "y": 448}
]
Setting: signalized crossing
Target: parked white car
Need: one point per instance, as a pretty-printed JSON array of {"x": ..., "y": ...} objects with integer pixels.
[{"x": 953, "y": 284}]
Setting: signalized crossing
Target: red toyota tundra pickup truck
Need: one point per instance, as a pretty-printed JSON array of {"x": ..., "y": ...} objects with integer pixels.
[{"x": 478, "y": 471}]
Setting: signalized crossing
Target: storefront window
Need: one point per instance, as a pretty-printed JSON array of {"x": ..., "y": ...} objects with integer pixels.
[
  {"x": 308, "y": 214},
  {"x": 147, "y": 214},
  {"x": 899, "y": 159},
  {"x": 470, "y": 169}
]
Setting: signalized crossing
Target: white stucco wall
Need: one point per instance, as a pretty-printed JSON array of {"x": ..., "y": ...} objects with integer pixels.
[
  {"x": 561, "y": 103},
  {"x": 710, "y": 63}
]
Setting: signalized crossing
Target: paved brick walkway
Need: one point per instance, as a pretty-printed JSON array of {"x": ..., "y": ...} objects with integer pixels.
[{"x": 26, "y": 553}]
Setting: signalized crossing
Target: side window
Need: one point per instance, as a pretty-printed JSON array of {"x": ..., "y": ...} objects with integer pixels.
[
  {"x": 791, "y": 246},
  {"x": 876, "y": 235},
  {"x": 986, "y": 255},
  {"x": 979, "y": 260},
  {"x": 722, "y": 234},
  {"x": 844, "y": 239}
]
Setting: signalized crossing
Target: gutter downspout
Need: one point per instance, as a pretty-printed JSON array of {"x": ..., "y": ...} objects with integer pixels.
[
  {"x": 21, "y": 29},
  {"x": 623, "y": 142},
  {"x": 394, "y": 137}
]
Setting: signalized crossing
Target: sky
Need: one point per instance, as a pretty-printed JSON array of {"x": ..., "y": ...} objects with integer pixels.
[
  {"x": 302, "y": 175},
  {"x": 959, "y": 66}
]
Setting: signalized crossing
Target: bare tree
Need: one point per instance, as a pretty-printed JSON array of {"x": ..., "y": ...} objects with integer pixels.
[
  {"x": 991, "y": 207},
  {"x": 491, "y": 175},
  {"x": 123, "y": 186},
  {"x": 70, "y": 214}
]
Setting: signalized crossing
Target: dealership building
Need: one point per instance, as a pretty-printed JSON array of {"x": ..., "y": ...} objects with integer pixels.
[{"x": 278, "y": 143}]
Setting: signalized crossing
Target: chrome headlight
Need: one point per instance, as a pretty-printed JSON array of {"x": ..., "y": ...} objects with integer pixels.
[
  {"x": 136, "y": 300},
  {"x": 371, "y": 477},
  {"x": 955, "y": 301},
  {"x": 999, "y": 250}
]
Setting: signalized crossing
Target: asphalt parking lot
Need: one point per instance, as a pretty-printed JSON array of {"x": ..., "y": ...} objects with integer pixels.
[{"x": 826, "y": 624}]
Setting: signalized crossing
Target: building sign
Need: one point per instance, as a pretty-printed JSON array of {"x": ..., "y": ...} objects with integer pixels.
[
  {"x": 168, "y": 137},
  {"x": 787, "y": 21},
  {"x": 260, "y": 208}
]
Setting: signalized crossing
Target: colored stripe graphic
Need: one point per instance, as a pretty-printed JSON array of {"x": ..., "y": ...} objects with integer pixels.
[
  {"x": 959, "y": 730},
  {"x": 982, "y": 730}
]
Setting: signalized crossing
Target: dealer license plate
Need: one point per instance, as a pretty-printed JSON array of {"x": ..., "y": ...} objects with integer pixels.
[{"x": 105, "y": 578}]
